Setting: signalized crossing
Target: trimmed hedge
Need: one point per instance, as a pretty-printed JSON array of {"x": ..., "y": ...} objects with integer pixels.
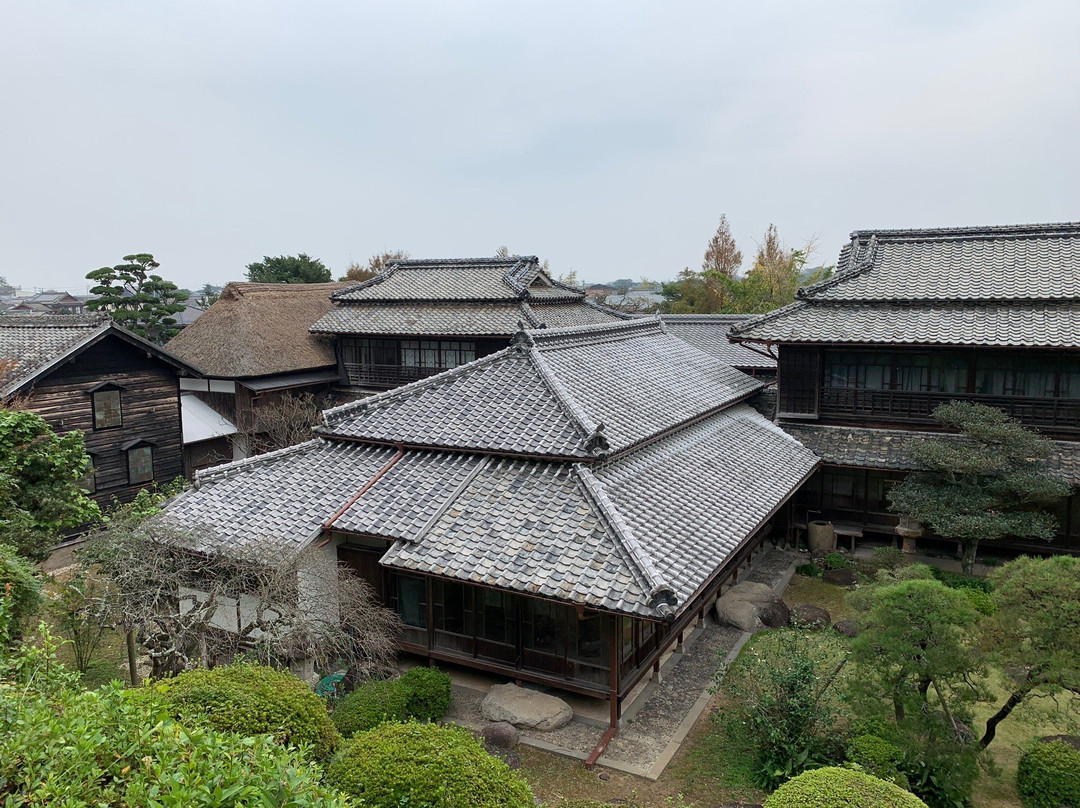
[
  {"x": 422, "y": 693},
  {"x": 253, "y": 700},
  {"x": 421, "y": 765},
  {"x": 840, "y": 788},
  {"x": 878, "y": 757},
  {"x": 428, "y": 693},
  {"x": 1048, "y": 776},
  {"x": 369, "y": 706}
]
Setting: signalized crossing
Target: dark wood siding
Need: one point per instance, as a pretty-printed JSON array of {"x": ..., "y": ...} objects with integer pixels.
[
  {"x": 150, "y": 406},
  {"x": 799, "y": 380}
]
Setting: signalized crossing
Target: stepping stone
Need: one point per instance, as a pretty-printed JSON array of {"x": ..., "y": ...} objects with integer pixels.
[{"x": 526, "y": 709}]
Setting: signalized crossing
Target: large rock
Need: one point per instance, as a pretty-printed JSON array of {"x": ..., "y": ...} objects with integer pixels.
[
  {"x": 840, "y": 577},
  {"x": 847, "y": 628},
  {"x": 501, "y": 735},
  {"x": 806, "y": 615},
  {"x": 527, "y": 709},
  {"x": 734, "y": 611},
  {"x": 758, "y": 594},
  {"x": 776, "y": 614}
]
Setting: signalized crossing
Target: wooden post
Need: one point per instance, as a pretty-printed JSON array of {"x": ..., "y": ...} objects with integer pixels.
[
  {"x": 613, "y": 677},
  {"x": 133, "y": 669}
]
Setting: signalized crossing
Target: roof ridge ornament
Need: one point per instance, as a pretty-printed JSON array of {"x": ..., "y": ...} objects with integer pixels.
[
  {"x": 597, "y": 443},
  {"x": 522, "y": 341}
]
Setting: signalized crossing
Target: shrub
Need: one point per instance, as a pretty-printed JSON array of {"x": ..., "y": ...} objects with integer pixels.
[
  {"x": 20, "y": 589},
  {"x": 982, "y": 601},
  {"x": 418, "y": 764},
  {"x": 836, "y": 561},
  {"x": 808, "y": 570},
  {"x": 840, "y": 788},
  {"x": 957, "y": 580},
  {"x": 102, "y": 747},
  {"x": 878, "y": 757},
  {"x": 252, "y": 700},
  {"x": 1048, "y": 776},
  {"x": 428, "y": 693},
  {"x": 368, "y": 706}
]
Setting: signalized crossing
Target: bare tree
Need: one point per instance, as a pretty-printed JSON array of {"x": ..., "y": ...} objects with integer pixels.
[
  {"x": 192, "y": 604},
  {"x": 722, "y": 257},
  {"x": 282, "y": 420},
  {"x": 375, "y": 264}
]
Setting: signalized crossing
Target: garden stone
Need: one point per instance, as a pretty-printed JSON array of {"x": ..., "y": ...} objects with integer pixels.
[
  {"x": 733, "y": 611},
  {"x": 806, "y": 615},
  {"x": 501, "y": 735},
  {"x": 841, "y": 577},
  {"x": 776, "y": 614},
  {"x": 758, "y": 594},
  {"x": 1071, "y": 740},
  {"x": 507, "y": 756},
  {"x": 847, "y": 628},
  {"x": 525, "y": 709}
]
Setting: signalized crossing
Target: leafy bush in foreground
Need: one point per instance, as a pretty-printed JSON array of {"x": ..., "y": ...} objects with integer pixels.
[
  {"x": 20, "y": 590},
  {"x": 253, "y": 700},
  {"x": 102, "y": 747},
  {"x": 428, "y": 691},
  {"x": 369, "y": 705},
  {"x": 840, "y": 788},
  {"x": 1049, "y": 776},
  {"x": 420, "y": 765}
]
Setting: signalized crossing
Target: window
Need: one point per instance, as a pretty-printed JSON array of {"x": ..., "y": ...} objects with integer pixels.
[
  {"x": 412, "y": 601},
  {"x": 107, "y": 408},
  {"x": 140, "y": 461},
  {"x": 869, "y": 370},
  {"x": 436, "y": 354}
]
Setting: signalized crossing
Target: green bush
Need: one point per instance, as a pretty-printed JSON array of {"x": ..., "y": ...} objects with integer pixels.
[
  {"x": 878, "y": 757},
  {"x": 808, "y": 570},
  {"x": 957, "y": 580},
  {"x": 103, "y": 747},
  {"x": 428, "y": 693},
  {"x": 418, "y": 765},
  {"x": 20, "y": 590},
  {"x": 982, "y": 601},
  {"x": 369, "y": 706},
  {"x": 1048, "y": 776},
  {"x": 252, "y": 700},
  {"x": 836, "y": 561},
  {"x": 840, "y": 788}
]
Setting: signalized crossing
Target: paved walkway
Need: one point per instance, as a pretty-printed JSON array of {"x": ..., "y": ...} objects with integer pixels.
[{"x": 658, "y": 719}]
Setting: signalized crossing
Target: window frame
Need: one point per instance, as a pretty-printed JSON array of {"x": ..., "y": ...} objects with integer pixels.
[
  {"x": 128, "y": 457},
  {"x": 95, "y": 408}
]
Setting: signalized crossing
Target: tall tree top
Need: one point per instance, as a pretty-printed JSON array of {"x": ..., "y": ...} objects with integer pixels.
[
  {"x": 300, "y": 268},
  {"x": 722, "y": 257},
  {"x": 136, "y": 298}
]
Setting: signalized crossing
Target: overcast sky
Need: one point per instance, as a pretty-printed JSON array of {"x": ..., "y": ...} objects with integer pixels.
[{"x": 605, "y": 137}]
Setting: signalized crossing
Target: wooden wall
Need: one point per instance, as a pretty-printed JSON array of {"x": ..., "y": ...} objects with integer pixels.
[{"x": 150, "y": 407}]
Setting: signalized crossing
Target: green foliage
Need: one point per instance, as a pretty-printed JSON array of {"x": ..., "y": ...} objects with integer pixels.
[
  {"x": 421, "y": 765},
  {"x": 138, "y": 299},
  {"x": 808, "y": 570},
  {"x": 300, "y": 268},
  {"x": 39, "y": 483},
  {"x": 252, "y": 700},
  {"x": 20, "y": 592},
  {"x": 877, "y": 757},
  {"x": 841, "y": 788},
  {"x": 427, "y": 693},
  {"x": 836, "y": 561},
  {"x": 368, "y": 706},
  {"x": 1036, "y": 629},
  {"x": 66, "y": 747},
  {"x": 958, "y": 580},
  {"x": 83, "y": 613},
  {"x": 988, "y": 484},
  {"x": 1048, "y": 776},
  {"x": 784, "y": 701}
]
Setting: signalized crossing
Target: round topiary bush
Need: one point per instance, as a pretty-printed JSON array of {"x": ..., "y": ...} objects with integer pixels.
[
  {"x": 428, "y": 693},
  {"x": 1048, "y": 776},
  {"x": 425, "y": 765},
  {"x": 840, "y": 788},
  {"x": 878, "y": 757},
  {"x": 253, "y": 700},
  {"x": 370, "y": 705}
]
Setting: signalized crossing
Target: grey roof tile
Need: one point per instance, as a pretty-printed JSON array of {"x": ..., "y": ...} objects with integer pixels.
[
  {"x": 862, "y": 447},
  {"x": 709, "y": 333},
  {"x": 1000, "y": 286},
  {"x": 29, "y": 343}
]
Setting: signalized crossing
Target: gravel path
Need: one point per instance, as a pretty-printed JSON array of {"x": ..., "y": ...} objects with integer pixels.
[{"x": 650, "y": 727}]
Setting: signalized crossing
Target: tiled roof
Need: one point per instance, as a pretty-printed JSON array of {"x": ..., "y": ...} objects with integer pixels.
[
  {"x": 891, "y": 448},
  {"x": 1005, "y": 286},
  {"x": 551, "y": 391},
  {"x": 29, "y": 343},
  {"x": 638, "y": 533},
  {"x": 459, "y": 279},
  {"x": 709, "y": 333},
  {"x": 460, "y": 297}
]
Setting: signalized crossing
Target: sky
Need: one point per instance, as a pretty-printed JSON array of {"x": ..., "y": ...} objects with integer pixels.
[{"x": 605, "y": 137}]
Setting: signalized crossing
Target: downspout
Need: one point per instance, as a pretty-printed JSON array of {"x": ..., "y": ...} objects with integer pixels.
[{"x": 367, "y": 487}]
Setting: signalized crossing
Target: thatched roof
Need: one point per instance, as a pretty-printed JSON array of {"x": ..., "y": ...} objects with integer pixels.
[{"x": 258, "y": 329}]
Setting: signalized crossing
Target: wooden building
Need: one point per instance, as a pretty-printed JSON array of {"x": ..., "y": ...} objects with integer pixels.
[
  {"x": 85, "y": 372},
  {"x": 915, "y": 318},
  {"x": 560, "y": 511},
  {"x": 417, "y": 318}
]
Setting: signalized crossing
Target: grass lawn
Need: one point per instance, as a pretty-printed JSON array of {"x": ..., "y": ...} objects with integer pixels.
[{"x": 814, "y": 591}]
